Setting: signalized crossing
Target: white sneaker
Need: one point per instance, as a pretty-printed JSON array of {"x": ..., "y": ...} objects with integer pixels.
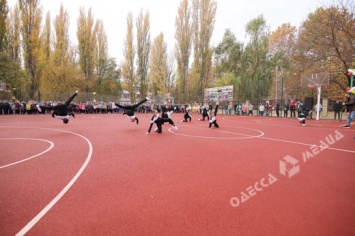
[{"x": 175, "y": 127}]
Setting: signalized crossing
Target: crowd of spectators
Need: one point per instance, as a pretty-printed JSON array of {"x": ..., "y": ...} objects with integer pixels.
[{"x": 17, "y": 107}]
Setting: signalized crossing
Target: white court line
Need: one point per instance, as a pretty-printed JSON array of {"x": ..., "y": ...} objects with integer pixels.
[
  {"x": 29, "y": 158},
  {"x": 218, "y": 130},
  {"x": 309, "y": 145},
  {"x": 263, "y": 137},
  {"x": 284, "y": 124},
  {"x": 39, "y": 216}
]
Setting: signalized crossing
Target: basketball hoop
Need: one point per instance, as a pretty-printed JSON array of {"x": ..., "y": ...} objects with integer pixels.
[
  {"x": 312, "y": 80},
  {"x": 311, "y": 86}
]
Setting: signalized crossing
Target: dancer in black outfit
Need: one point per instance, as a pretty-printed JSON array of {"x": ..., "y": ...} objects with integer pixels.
[
  {"x": 187, "y": 115},
  {"x": 166, "y": 111},
  {"x": 213, "y": 117},
  {"x": 302, "y": 116},
  {"x": 159, "y": 121},
  {"x": 204, "y": 113},
  {"x": 61, "y": 111},
  {"x": 129, "y": 110}
]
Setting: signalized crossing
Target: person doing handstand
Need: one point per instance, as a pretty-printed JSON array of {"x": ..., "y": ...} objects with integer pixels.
[
  {"x": 129, "y": 110},
  {"x": 159, "y": 121},
  {"x": 61, "y": 111},
  {"x": 302, "y": 116}
]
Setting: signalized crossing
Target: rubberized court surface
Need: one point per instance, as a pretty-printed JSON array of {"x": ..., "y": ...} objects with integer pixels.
[{"x": 102, "y": 175}]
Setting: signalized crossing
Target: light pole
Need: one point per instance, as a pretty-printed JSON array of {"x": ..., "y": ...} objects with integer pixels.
[{"x": 94, "y": 93}]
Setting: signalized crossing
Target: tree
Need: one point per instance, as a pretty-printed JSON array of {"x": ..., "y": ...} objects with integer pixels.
[
  {"x": 158, "y": 78},
  {"x": 12, "y": 75},
  {"x": 183, "y": 37},
  {"x": 13, "y": 34},
  {"x": 327, "y": 43},
  {"x": 60, "y": 73},
  {"x": 4, "y": 10},
  {"x": 86, "y": 34},
  {"x": 281, "y": 46},
  {"x": 143, "y": 50},
  {"x": 228, "y": 63},
  {"x": 101, "y": 52},
  {"x": 31, "y": 18},
  {"x": 203, "y": 16},
  {"x": 130, "y": 81},
  {"x": 258, "y": 79}
]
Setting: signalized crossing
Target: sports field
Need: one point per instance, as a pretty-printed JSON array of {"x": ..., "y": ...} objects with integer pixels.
[{"x": 103, "y": 175}]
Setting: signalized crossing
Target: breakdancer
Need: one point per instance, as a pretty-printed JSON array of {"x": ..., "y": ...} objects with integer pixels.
[
  {"x": 302, "y": 116},
  {"x": 129, "y": 110},
  {"x": 61, "y": 111},
  {"x": 159, "y": 121},
  {"x": 213, "y": 117}
]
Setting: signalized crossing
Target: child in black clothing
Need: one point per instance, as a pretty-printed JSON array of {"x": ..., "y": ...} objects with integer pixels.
[
  {"x": 129, "y": 110},
  {"x": 159, "y": 121},
  {"x": 61, "y": 111},
  {"x": 187, "y": 115},
  {"x": 302, "y": 116},
  {"x": 213, "y": 117},
  {"x": 204, "y": 112}
]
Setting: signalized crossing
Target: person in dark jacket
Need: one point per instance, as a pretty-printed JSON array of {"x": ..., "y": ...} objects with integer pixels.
[
  {"x": 337, "y": 106},
  {"x": 350, "y": 108}
]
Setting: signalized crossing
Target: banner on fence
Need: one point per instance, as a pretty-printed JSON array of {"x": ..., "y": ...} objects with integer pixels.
[{"x": 223, "y": 93}]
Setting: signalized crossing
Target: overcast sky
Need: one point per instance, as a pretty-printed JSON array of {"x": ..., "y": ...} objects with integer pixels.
[{"x": 231, "y": 14}]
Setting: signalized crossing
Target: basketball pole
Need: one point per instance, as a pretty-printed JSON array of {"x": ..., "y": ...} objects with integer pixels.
[{"x": 319, "y": 89}]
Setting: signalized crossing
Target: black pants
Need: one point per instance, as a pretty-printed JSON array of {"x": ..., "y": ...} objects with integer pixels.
[
  {"x": 335, "y": 115},
  {"x": 159, "y": 122},
  {"x": 214, "y": 124}
]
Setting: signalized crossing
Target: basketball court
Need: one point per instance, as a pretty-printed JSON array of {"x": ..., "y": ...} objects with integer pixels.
[{"x": 103, "y": 175}]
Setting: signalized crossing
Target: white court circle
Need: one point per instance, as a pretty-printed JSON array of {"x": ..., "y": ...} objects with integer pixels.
[
  {"x": 245, "y": 136},
  {"x": 31, "y": 157},
  {"x": 49, "y": 206}
]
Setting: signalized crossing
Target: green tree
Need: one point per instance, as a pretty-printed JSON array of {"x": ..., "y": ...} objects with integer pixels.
[
  {"x": 12, "y": 75},
  {"x": 13, "y": 33},
  {"x": 4, "y": 10},
  {"x": 257, "y": 79},
  {"x": 228, "y": 64}
]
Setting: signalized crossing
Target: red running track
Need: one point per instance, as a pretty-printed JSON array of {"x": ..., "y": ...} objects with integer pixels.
[{"x": 102, "y": 175}]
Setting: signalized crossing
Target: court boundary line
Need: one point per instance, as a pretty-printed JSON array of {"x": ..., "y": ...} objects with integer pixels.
[
  {"x": 273, "y": 139},
  {"x": 217, "y": 130},
  {"x": 31, "y": 157},
  {"x": 49, "y": 206}
]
